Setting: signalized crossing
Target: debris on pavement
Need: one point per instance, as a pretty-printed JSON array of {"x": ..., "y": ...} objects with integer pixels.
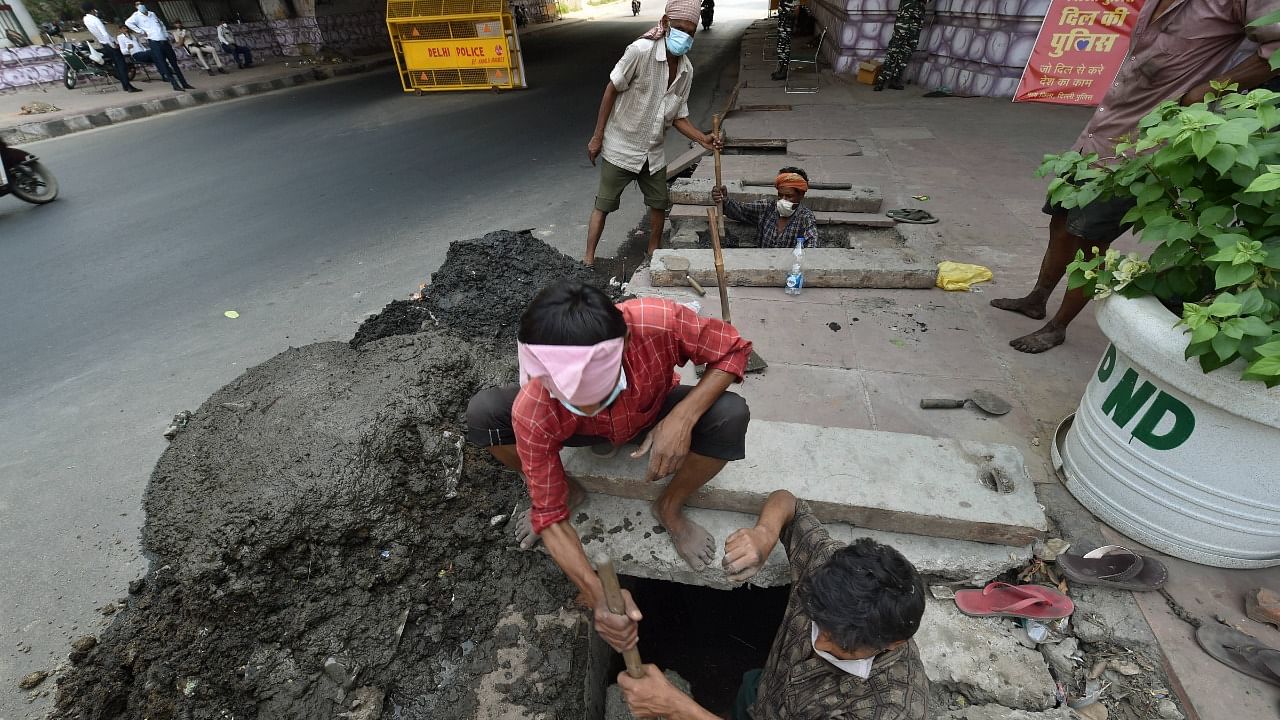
[
  {"x": 1263, "y": 606},
  {"x": 178, "y": 424},
  {"x": 32, "y": 680},
  {"x": 38, "y": 108}
]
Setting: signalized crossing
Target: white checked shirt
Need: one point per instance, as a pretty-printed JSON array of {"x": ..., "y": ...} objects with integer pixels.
[
  {"x": 148, "y": 24},
  {"x": 646, "y": 105},
  {"x": 224, "y": 35},
  {"x": 99, "y": 31}
]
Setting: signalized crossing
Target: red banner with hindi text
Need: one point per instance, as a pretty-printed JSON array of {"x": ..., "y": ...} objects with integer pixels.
[{"x": 1078, "y": 52}]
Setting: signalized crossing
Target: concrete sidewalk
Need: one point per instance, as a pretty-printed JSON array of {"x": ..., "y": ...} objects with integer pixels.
[{"x": 864, "y": 358}]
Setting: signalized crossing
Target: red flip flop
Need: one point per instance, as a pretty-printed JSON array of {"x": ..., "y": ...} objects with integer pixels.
[{"x": 998, "y": 599}]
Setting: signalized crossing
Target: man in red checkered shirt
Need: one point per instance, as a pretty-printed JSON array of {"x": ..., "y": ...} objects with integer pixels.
[{"x": 594, "y": 373}]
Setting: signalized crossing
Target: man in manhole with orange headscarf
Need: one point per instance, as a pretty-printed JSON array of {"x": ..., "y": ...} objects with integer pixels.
[{"x": 781, "y": 221}]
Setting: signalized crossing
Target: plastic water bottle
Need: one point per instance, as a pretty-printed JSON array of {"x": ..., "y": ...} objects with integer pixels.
[{"x": 795, "y": 278}]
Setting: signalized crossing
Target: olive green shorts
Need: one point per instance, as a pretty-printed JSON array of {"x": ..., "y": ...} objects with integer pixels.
[{"x": 613, "y": 180}]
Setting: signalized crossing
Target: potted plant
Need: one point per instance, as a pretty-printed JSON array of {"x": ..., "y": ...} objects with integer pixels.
[{"x": 1175, "y": 439}]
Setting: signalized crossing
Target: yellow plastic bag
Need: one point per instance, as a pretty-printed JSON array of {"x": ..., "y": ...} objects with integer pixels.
[{"x": 959, "y": 276}]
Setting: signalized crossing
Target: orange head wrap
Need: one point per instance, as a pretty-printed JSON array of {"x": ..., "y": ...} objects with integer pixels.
[{"x": 791, "y": 180}]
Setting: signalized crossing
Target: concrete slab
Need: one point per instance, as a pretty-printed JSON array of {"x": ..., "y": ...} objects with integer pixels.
[
  {"x": 625, "y": 530},
  {"x": 1000, "y": 712},
  {"x": 929, "y": 333},
  {"x": 981, "y": 658},
  {"x": 938, "y": 487},
  {"x": 858, "y": 199},
  {"x": 804, "y": 148},
  {"x": 870, "y": 168},
  {"x": 823, "y": 268}
]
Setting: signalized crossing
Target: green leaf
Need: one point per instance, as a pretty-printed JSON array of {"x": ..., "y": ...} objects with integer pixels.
[
  {"x": 1264, "y": 183},
  {"x": 1210, "y": 362},
  {"x": 1272, "y": 260},
  {"x": 1224, "y": 346},
  {"x": 1268, "y": 19},
  {"x": 1254, "y": 325},
  {"x": 1271, "y": 349},
  {"x": 1247, "y": 156},
  {"x": 1222, "y": 157},
  {"x": 1224, "y": 255},
  {"x": 1196, "y": 350},
  {"x": 1204, "y": 333},
  {"x": 1251, "y": 301},
  {"x": 1229, "y": 240},
  {"x": 1150, "y": 194},
  {"x": 1203, "y": 142},
  {"x": 1264, "y": 367},
  {"x": 1223, "y": 308},
  {"x": 1228, "y": 275},
  {"x": 1238, "y": 130},
  {"x": 1214, "y": 215}
]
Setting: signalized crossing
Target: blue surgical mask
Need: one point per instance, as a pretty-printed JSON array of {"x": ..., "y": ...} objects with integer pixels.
[
  {"x": 678, "y": 41},
  {"x": 142, "y": 8},
  {"x": 617, "y": 390}
]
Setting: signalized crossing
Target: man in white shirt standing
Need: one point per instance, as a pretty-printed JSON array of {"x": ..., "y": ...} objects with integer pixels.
[
  {"x": 196, "y": 48},
  {"x": 151, "y": 27},
  {"x": 132, "y": 47},
  {"x": 98, "y": 30},
  {"x": 645, "y": 95},
  {"x": 242, "y": 54}
]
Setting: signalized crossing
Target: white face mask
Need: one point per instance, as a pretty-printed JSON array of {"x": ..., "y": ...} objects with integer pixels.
[
  {"x": 786, "y": 207},
  {"x": 858, "y": 668}
]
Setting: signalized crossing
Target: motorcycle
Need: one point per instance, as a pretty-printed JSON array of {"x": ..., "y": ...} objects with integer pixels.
[
  {"x": 81, "y": 60},
  {"x": 22, "y": 174},
  {"x": 635, "y": 8},
  {"x": 708, "y": 12}
]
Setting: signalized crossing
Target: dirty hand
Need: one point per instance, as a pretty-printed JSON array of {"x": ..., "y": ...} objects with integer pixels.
[
  {"x": 652, "y": 695},
  {"x": 745, "y": 552},
  {"x": 622, "y": 632},
  {"x": 719, "y": 193},
  {"x": 712, "y": 141},
  {"x": 594, "y": 145},
  {"x": 669, "y": 441}
]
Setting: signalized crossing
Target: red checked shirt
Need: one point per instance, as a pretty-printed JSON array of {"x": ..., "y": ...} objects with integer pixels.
[{"x": 664, "y": 336}]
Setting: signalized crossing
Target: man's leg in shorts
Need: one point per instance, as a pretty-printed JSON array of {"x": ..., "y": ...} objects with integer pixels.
[
  {"x": 718, "y": 437},
  {"x": 657, "y": 198},
  {"x": 489, "y": 426},
  {"x": 1097, "y": 225},
  {"x": 613, "y": 180}
]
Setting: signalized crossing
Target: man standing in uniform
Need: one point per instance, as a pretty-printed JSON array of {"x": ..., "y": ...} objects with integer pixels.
[
  {"x": 152, "y": 28},
  {"x": 645, "y": 95},
  {"x": 906, "y": 36},
  {"x": 1178, "y": 48},
  {"x": 786, "y": 26},
  {"x": 94, "y": 25}
]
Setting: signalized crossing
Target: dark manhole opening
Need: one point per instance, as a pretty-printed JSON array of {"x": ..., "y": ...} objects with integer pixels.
[{"x": 711, "y": 637}]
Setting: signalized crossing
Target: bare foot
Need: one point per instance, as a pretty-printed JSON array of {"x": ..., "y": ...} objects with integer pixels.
[
  {"x": 1032, "y": 305},
  {"x": 589, "y": 260},
  {"x": 523, "y": 522},
  {"x": 693, "y": 543},
  {"x": 1046, "y": 338}
]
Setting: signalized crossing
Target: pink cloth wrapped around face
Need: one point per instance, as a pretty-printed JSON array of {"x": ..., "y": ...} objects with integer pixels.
[
  {"x": 577, "y": 374},
  {"x": 689, "y": 10}
]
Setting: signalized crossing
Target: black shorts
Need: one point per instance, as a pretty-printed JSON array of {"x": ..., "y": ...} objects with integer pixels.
[
  {"x": 720, "y": 433},
  {"x": 1098, "y": 222}
]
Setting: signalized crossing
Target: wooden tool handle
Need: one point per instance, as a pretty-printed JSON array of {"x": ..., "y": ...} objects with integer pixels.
[
  {"x": 715, "y": 128},
  {"x": 697, "y": 286},
  {"x": 712, "y": 216},
  {"x": 940, "y": 403},
  {"x": 613, "y": 598}
]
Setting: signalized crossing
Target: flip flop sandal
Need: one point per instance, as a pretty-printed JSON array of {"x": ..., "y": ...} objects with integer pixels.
[
  {"x": 998, "y": 599},
  {"x": 913, "y": 216},
  {"x": 1116, "y": 567},
  {"x": 1240, "y": 652}
]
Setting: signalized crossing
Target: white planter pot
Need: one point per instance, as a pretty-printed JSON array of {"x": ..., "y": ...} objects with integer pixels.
[{"x": 1184, "y": 462}]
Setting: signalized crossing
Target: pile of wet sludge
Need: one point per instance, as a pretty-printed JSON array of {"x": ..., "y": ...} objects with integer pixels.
[{"x": 313, "y": 550}]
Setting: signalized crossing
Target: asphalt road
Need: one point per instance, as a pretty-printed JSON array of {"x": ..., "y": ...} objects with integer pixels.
[{"x": 304, "y": 211}]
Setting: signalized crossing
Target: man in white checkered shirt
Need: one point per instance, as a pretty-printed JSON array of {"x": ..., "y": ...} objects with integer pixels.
[{"x": 645, "y": 95}]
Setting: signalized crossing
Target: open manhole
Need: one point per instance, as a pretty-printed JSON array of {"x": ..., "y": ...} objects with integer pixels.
[{"x": 710, "y": 637}]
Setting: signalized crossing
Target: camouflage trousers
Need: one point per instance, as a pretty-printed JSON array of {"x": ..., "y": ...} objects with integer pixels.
[
  {"x": 906, "y": 36},
  {"x": 786, "y": 26}
]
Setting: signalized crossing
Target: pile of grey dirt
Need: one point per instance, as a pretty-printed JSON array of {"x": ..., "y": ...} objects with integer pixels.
[{"x": 322, "y": 542}]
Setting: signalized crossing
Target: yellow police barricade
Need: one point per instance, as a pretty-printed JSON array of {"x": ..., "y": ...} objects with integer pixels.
[{"x": 455, "y": 45}]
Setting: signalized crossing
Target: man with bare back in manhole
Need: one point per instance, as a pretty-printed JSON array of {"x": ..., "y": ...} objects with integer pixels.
[
  {"x": 844, "y": 649},
  {"x": 601, "y": 375}
]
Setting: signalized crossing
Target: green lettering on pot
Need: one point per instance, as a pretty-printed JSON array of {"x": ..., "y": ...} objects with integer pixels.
[
  {"x": 1124, "y": 401},
  {"x": 1184, "y": 422},
  {"x": 1128, "y": 397},
  {"x": 1108, "y": 364}
]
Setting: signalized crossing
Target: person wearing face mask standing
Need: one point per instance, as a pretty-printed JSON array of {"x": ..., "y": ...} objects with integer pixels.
[
  {"x": 595, "y": 374},
  {"x": 844, "y": 648},
  {"x": 647, "y": 92},
  {"x": 98, "y": 30},
  {"x": 151, "y": 27},
  {"x": 779, "y": 223}
]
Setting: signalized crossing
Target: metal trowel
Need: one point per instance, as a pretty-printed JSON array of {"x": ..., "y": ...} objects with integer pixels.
[{"x": 981, "y": 399}]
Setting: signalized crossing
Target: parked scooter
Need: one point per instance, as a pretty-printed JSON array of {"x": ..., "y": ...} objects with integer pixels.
[
  {"x": 708, "y": 13},
  {"x": 22, "y": 174},
  {"x": 635, "y": 8}
]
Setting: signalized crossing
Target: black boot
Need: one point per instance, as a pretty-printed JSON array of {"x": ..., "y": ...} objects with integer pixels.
[{"x": 780, "y": 73}]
